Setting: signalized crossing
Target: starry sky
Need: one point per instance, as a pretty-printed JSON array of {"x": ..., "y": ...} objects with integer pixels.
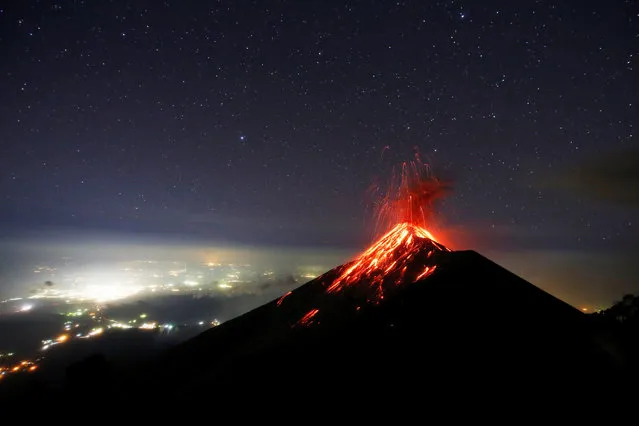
[{"x": 265, "y": 122}]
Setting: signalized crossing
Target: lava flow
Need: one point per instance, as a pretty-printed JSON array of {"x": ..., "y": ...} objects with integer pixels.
[{"x": 404, "y": 253}]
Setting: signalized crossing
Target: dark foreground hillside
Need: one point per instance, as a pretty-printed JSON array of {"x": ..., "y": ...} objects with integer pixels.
[{"x": 471, "y": 332}]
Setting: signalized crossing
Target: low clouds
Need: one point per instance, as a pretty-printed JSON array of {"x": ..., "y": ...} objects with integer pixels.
[
  {"x": 611, "y": 178},
  {"x": 582, "y": 278}
]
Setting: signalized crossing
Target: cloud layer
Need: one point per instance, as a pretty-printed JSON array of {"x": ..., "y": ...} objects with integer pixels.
[{"x": 611, "y": 178}]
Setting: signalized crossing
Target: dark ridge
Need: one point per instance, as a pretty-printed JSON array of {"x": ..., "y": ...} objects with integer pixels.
[{"x": 472, "y": 332}]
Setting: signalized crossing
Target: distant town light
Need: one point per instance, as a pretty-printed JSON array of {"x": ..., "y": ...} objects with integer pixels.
[
  {"x": 148, "y": 326},
  {"x": 96, "y": 331}
]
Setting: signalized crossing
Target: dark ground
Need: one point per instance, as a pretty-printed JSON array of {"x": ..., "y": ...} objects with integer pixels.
[{"x": 471, "y": 334}]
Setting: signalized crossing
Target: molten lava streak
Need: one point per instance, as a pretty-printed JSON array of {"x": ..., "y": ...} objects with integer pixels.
[
  {"x": 402, "y": 255},
  {"x": 307, "y": 319},
  {"x": 409, "y": 196}
]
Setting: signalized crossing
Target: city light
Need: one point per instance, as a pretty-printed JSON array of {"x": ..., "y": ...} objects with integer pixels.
[
  {"x": 83, "y": 298},
  {"x": 96, "y": 331},
  {"x": 148, "y": 326}
]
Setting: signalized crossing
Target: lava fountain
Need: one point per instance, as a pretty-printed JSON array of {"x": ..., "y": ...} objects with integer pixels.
[
  {"x": 408, "y": 197},
  {"x": 404, "y": 253}
]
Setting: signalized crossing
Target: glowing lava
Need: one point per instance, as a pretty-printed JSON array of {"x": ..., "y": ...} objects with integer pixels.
[
  {"x": 307, "y": 319},
  {"x": 403, "y": 255},
  {"x": 408, "y": 197}
]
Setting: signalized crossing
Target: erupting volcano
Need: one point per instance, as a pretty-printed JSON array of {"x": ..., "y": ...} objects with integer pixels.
[
  {"x": 404, "y": 254},
  {"x": 406, "y": 314},
  {"x": 408, "y": 197}
]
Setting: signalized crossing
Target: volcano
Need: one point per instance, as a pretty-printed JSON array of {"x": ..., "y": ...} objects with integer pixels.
[
  {"x": 407, "y": 323},
  {"x": 406, "y": 327}
]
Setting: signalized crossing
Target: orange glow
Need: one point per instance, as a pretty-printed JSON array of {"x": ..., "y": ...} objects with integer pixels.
[
  {"x": 306, "y": 320},
  {"x": 62, "y": 338},
  {"x": 20, "y": 367},
  {"x": 389, "y": 257},
  {"x": 405, "y": 253},
  {"x": 281, "y": 299},
  {"x": 405, "y": 207},
  {"x": 408, "y": 197}
]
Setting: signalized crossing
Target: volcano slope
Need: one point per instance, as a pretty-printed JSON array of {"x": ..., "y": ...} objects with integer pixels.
[{"x": 468, "y": 331}]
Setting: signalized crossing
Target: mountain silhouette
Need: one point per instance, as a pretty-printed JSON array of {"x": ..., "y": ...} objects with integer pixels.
[
  {"x": 409, "y": 326},
  {"x": 468, "y": 331}
]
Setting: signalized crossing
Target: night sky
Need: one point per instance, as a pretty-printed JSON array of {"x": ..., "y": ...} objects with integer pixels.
[{"x": 265, "y": 123}]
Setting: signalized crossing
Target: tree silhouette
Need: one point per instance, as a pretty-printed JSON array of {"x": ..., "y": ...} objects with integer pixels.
[{"x": 624, "y": 311}]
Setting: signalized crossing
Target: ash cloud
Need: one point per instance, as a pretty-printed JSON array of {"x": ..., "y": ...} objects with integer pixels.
[{"x": 611, "y": 178}]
